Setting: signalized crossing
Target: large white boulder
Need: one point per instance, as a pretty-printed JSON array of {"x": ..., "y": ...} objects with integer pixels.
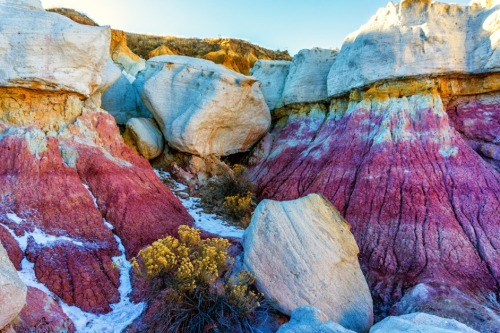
[
  {"x": 12, "y": 290},
  {"x": 109, "y": 76},
  {"x": 43, "y": 50},
  {"x": 308, "y": 319},
  {"x": 419, "y": 37},
  {"x": 203, "y": 108},
  {"x": 146, "y": 137},
  {"x": 302, "y": 253},
  {"x": 421, "y": 323},
  {"x": 272, "y": 74},
  {"x": 306, "y": 81}
]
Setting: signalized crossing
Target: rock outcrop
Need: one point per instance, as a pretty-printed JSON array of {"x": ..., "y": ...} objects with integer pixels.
[
  {"x": 43, "y": 314},
  {"x": 234, "y": 54},
  {"x": 122, "y": 55},
  {"x": 12, "y": 290},
  {"x": 203, "y": 108},
  {"x": 407, "y": 157},
  {"x": 306, "y": 81},
  {"x": 71, "y": 60},
  {"x": 145, "y": 136},
  {"x": 420, "y": 322},
  {"x": 122, "y": 101},
  {"x": 450, "y": 302},
  {"x": 399, "y": 173},
  {"x": 272, "y": 75},
  {"x": 92, "y": 191},
  {"x": 308, "y": 319},
  {"x": 416, "y": 38},
  {"x": 302, "y": 253}
]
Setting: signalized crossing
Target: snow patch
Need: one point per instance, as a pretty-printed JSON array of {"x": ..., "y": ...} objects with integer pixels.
[
  {"x": 123, "y": 313},
  {"x": 208, "y": 222},
  {"x": 40, "y": 237},
  {"x": 447, "y": 151}
]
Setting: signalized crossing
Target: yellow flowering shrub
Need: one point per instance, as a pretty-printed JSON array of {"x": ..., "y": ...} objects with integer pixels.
[
  {"x": 186, "y": 262},
  {"x": 187, "y": 274},
  {"x": 239, "y": 208},
  {"x": 231, "y": 194}
]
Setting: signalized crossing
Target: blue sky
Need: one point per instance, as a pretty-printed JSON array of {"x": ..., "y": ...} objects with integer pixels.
[{"x": 274, "y": 24}]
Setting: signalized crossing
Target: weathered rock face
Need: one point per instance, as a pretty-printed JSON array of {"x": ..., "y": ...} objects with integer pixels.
[
  {"x": 450, "y": 302},
  {"x": 122, "y": 101},
  {"x": 477, "y": 118},
  {"x": 423, "y": 205},
  {"x": 145, "y": 136},
  {"x": 43, "y": 314},
  {"x": 122, "y": 55},
  {"x": 272, "y": 75},
  {"x": 416, "y": 38},
  {"x": 59, "y": 55},
  {"x": 302, "y": 253},
  {"x": 306, "y": 81},
  {"x": 420, "y": 322},
  {"x": 12, "y": 290},
  {"x": 110, "y": 75},
  {"x": 91, "y": 190},
  {"x": 203, "y": 108},
  {"x": 28, "y": 4},
  {"x": 307, "y": 319}
]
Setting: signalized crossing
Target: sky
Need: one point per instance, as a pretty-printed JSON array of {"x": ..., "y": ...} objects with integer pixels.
[{"x": 273, "y": 24}]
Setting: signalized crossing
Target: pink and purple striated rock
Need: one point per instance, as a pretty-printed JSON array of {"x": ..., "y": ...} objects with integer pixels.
[
  {"x": 47, "y": 194},
  {"x": 424, "y": 206}
]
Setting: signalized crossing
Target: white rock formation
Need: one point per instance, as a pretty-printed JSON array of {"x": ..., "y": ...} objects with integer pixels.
[
  {"x": 308, "y": 319},
  {"x": 146, "y": 136},
  {"x": 418, "y": 37},
  {"x": 306, "y": 81},
  {"x": 121, "y": 101},
  {"x": 272, "y": 74},
  {"x": 421, "y": 323},
  {"x": 29, "y": 4},
  {"x": 109, "y": 76},
  {"x": 203, "y": 108},
  {"x": 43, "y": 50},
  {"x": 12, "y": 290},
  {"x": 302, "y": 253}
]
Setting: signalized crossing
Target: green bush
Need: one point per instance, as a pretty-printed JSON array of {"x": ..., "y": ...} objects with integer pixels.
[{"x": 188, "y": 288}]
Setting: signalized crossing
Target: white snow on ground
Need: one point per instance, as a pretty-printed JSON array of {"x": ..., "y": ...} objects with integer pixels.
[
  {"x": 123, "y": 313},
  {"x": 208, "y": 222}
]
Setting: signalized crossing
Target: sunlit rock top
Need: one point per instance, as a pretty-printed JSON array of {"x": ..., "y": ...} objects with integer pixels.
[
  {"x": 42, "y": 50},
  {"x": 419, "y": 38}
]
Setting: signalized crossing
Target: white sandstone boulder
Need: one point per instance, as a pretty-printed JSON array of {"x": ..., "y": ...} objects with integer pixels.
[
  {"x": 421, "y": 323},
  {"x": 29, "y": 4},
  {"x": 203, "y": 108},
  {"x": 302, "y": 253},
  {"x": 415, "y": 38},
  {"x": 43, "y": 50},
  {"x": 272, "y": 74},
  {"x": 308, "y": 319},
  {"x": 306, "y": 81},
  {"x": 122, "y": 101},
  {"x": 12, "y": 290},
  {"x": 146, "y": 136},
  {"x": 109, "y": 76}
]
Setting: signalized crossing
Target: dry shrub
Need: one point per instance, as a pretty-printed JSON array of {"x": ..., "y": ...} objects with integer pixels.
[
  {"x": 188, "y": 290},
  {"x": 231, "y": 194}
]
